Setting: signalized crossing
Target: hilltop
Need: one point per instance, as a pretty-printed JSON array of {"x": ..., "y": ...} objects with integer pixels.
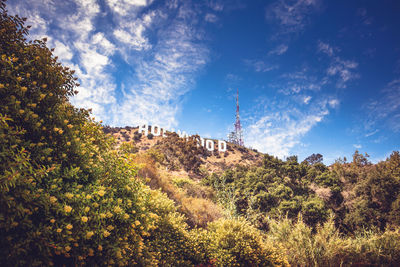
[{"x": 211, "y": 161}]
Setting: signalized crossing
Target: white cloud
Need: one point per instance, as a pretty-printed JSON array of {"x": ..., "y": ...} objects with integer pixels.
[
  {"x": 292, "y": 15},
  {"x": 136, "y": 41},
  {"x": 127, "y": 7},
  {"x": 299, "y": 82},
  {"x": 103, "y": 44},
  {"x": 279, "y": 132},
  {"x": 279, "y": 50},
  {"x": 357, "y": 146},
  {"x": 384, "y": 111},
  {"x": 260, "y": 66},
  {"x": 162, "y": 80},
  {"x": 216, "y": 5},
  {"x": 63, "y": 52},
  {"x": 344, "y": 69},
  {"x": 211, "y": 18},
  {"x": 325, "y": 48},
  {"x": 333, "y": 103},
  {"x": 131, "y": 34},
  {"x": 307, "y": 99}
]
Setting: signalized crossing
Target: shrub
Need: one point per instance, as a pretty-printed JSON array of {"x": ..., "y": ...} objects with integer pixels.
[{"x": 237, "y": 243}]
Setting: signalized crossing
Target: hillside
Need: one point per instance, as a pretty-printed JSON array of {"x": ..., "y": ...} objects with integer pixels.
[{"x": 210, "y": 161}]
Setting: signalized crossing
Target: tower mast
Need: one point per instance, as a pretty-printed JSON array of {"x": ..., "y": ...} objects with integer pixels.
[{"x": 238, "y": 126}]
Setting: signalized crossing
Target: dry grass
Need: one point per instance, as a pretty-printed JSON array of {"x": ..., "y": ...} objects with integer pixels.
[{"x": 193, "y": 199}]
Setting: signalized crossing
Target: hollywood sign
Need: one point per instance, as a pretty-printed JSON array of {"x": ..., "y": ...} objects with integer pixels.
[{"x": 209, "y": 144}]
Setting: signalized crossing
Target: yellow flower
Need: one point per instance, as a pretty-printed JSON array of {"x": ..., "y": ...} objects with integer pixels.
[
  {"x": 67, "y": 248},
  {"x": 53, "y": 199},
  {"x": 24, "y": 89},
  {"x": 87, "y": 209},
  {"x": 70, "y": 126},
  {"x": 100, "y": 248},
  {"x": 19, "y": 79},
  {"x": 67, "y": 208},
  {"x": 110, "y": 228},
  {"x": 117, "y": 209},
  {"x": 106, "y": 233},
  {"x": 118, "y": 254},
  {"x": 88, "y": 197},
  {"x": 89, "y": 234},
  {"x": 101, "y": 193},
  {"x": 84, "y": 219},
  {"x": 68, "y": 143},
  {"x": 137, "y": 222},
  {"x": 69, "y": 226},
  {"x": 69, "y": 195},
  {"x": 59, "y": 230},
  {"x": 44, "y": 86},
  {"x": 1, "y": 86},
  {"x": 65, "y": 121},
  {"x": 102, "y": 215},
  {"x": 28, "y": 75},
  {"x": 34, "y": 83},
  {"x": 52, "y": 221},
  {"x": 126, "y": 216},
  {"x": 109, "y": 214},
  {"x": 21, "y": 111}
]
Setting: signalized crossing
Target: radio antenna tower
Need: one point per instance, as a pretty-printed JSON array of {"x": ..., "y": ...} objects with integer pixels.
[{"x": 236, "y": 137}]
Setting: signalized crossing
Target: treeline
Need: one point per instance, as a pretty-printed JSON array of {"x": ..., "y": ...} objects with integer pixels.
[{"x": 359, "y": 194}]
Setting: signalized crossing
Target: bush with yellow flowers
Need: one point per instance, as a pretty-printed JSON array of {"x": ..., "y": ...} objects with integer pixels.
[
  {"x": 66, "y": 196},
  {"x": 235, "y": 242}
]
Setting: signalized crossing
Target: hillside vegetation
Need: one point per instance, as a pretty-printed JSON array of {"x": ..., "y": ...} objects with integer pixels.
[{"x": 71, "y": 194}]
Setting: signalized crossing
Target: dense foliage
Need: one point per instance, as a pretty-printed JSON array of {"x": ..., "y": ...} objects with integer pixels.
[{"x": 360, "y": 194}]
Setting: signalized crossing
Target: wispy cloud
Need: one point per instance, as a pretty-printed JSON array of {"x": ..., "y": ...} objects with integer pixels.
[
  {"x": 299, "y": 82},
  {"x": 384, "y": 112},
  {"x": 279, "y": 131},
  {"x": 357, "y": 146},
  {"x": 344, "y": 70},
  {"x": 279, "y": 50},
  {"x": 164, "y": 78},
  {"x": 362, "y": 13},
  {"x": 260, "y": 65},
  {"x": 90, "y": 35},
  {"x": 209, "y": 17},
  {"x": 292, "y": 15}
]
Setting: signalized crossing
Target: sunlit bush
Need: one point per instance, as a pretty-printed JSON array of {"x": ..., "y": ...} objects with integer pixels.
[{"x": 237, "y": 243}]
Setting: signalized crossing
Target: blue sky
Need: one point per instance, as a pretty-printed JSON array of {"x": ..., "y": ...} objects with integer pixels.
[{"x": 314, "y": 76}]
